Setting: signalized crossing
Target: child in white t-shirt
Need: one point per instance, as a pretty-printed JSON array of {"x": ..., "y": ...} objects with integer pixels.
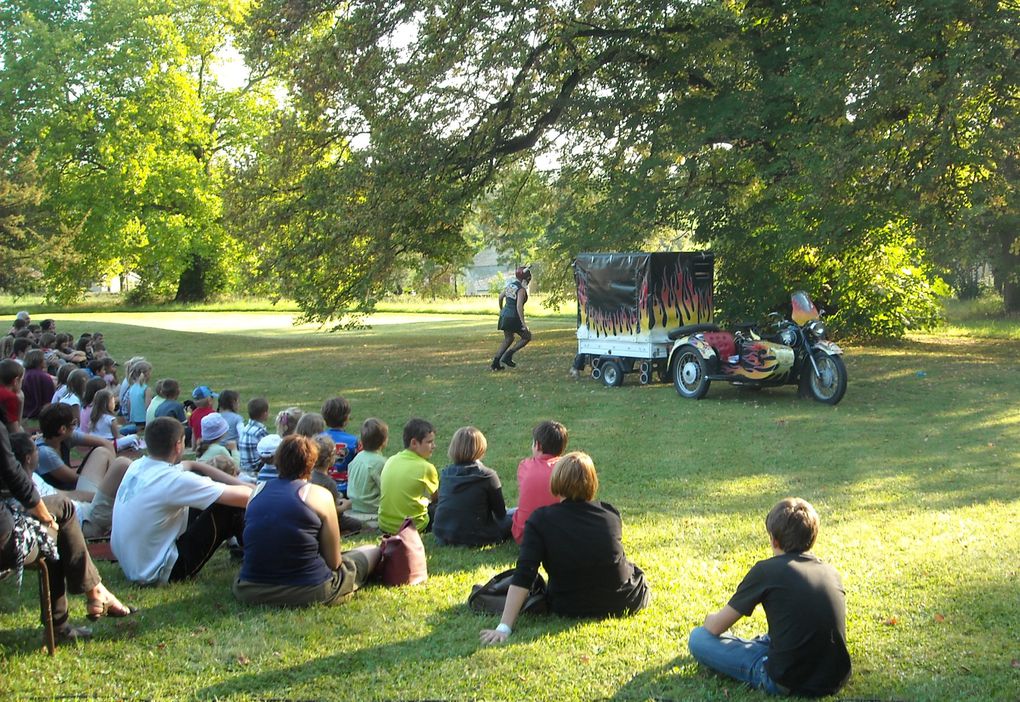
[{"x": 105, "y": 423}]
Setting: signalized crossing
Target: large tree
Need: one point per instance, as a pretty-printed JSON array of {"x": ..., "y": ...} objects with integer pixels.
[
  {"x": 824, "y": 145},
  {"x": 120, "y": 101}
]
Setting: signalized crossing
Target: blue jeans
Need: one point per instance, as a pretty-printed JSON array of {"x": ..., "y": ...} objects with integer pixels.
[{"x": 741, "y": 659}]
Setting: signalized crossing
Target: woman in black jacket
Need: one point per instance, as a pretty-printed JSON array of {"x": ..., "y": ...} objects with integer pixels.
[
  {"x": 49, "y": 524},
  {"x": 578, "y": 540},
  {"x": 470, "y": 509}
]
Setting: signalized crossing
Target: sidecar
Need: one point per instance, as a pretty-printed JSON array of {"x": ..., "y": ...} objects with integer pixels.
[
  {"x": 703, "y": 353},
  {"x": 627, "y": 305}
]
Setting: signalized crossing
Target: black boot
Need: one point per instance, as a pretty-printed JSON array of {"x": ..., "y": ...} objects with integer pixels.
[
  {"x": 495, "y": 364},
  {"x": 508, "y": 360}
]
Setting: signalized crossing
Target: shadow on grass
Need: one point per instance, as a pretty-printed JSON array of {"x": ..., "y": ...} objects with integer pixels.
[{"x": 396, "y": 663}]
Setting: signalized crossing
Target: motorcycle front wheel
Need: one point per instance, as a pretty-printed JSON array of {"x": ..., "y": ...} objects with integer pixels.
[{"x": 829, "y": 384}]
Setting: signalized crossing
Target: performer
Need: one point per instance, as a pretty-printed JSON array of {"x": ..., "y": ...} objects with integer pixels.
[{"x": 511, "y": 318}]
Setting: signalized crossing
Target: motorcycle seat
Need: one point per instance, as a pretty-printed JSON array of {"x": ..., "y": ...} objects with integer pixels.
[
  {"x": 691, "y": 329},
  {"x": 722, "y": 342}
]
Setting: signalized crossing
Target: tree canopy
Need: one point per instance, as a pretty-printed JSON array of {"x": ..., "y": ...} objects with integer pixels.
[
  {"x": 863, "y": 151},
  {"x": 842, "y": 147}
]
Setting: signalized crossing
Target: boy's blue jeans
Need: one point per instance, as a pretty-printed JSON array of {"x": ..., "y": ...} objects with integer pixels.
[{"x": 741, "y": 659}]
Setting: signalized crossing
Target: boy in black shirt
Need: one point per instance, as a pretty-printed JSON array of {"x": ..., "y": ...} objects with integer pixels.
[{"x": 804, "y": 653}]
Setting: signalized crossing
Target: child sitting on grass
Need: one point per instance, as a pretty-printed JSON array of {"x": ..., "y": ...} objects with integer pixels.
[
  {"x": 214, "y": 443},
  {"x": 227, "y": 406},
  {"x": 409, "y": 482},
  {"x": 202, "y": 396},
  {"x": 91, "y": 388},
  {"x": 533, "y": 474},
  {"x": 139, "y": 394},
  {"x": 470, "y": 510},
  {"x": 158, "y": 398},
  {"x": 337, "y": 411},
  {"x": 320, "y": 476},
  {"x": 106, "y": 425},
  {"x": 804, "y": 652},
  {"x": 364, "y": 473},
  {"x": 267, "y": 455},
  {"x": 250, "y": 434},
  {"x": 12, "y": 398}
]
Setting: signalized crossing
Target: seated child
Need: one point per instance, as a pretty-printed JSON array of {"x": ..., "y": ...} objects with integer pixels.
[
  {"x": 139, "y": 394},
  {"x": 337, "y": 411},
  {"x": 225, "y": 464},
  {"x": 37, "y": 385},
  {"x": 320, "y": 477},
  {"x": 409, "y": 482},
  {"x": 267, "y": 455},
  {"x": 76, "y": 383},
  {"x": 106, "y": 425},
  {"x": 227, "y": 407},
  {"x": 470, "y": 510},
  {"x": 550, "y": 441},
  {"x": 202, "y": 397},
  {"x": 158, "y": 398},
  {"x": 365, "y": 471},
  {"x": 59, "y": 435},
  {"x": 12, "y": 398},
  {"x": 91, "y": 388},
  {"x": 287, "y": 419},
  {"x": 249, "y": 435},
  {"x": 804, "y": 652},
  {"x": 310, "y": 424},
  {"x": 214, "y": 443}
]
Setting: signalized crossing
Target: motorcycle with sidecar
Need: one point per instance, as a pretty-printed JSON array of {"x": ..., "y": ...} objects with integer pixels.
[{"x": 790, "y": 351}]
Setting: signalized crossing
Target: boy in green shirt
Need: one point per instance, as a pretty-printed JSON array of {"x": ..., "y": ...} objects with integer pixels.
[{"x": 409, "y": 483}]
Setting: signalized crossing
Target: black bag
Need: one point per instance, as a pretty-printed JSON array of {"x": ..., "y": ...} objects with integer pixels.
[{"x": 491, "y": 597}]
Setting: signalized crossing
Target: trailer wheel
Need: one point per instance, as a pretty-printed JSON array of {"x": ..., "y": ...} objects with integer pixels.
[{"x": 612, "y": 373}]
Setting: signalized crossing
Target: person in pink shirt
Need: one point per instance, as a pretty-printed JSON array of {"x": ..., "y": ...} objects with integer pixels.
[{"x": 550, "y": 441}]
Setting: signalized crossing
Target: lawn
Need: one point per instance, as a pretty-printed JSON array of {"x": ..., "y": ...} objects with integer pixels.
[{"x": 914, "y": 475}]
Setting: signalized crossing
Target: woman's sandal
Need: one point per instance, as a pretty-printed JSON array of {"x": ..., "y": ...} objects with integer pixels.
[{"x": 106, "y": 608}]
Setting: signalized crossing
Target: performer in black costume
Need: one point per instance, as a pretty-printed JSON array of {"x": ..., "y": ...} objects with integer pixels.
[{"x": 511, "y": 318}]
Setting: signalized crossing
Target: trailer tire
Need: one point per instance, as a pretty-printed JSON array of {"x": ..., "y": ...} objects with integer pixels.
[{"x": 612, "y": 373}]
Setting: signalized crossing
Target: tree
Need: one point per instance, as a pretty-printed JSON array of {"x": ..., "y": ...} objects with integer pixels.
[
  {"x": 132, "y": 131},
  {"x": 809, "y": 145}
]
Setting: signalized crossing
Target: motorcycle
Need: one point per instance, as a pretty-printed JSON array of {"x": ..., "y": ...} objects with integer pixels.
[{"x": 793, "y": 352}]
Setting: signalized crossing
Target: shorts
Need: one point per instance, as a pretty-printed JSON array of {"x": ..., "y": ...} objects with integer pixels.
[{"x": 352, "y": 574}]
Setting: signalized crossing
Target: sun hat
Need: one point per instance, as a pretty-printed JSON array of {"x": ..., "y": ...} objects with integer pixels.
[
  {"x": 23, "y": 314},
  {"x": 268, "y": 444},
  {"x": 202, "y": 392},
  {"x": 213, "y": 426}
]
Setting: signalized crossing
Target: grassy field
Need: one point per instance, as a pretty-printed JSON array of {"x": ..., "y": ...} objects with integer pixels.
[{"x": 914, "y": 475}]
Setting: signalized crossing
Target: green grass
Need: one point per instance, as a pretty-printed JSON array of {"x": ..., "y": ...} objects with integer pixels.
[{"x": 914, "y": 476}]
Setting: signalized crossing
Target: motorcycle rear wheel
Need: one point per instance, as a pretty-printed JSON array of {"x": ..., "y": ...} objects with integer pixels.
[{"x": 829, "y": 384}]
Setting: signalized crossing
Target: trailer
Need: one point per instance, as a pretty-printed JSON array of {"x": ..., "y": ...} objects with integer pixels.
[{"x": 627, "y": 303}]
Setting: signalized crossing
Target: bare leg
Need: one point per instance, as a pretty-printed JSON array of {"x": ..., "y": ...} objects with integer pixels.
[
  {"x": 95, "y": 468},
  {"x": 115, "y": 474}
]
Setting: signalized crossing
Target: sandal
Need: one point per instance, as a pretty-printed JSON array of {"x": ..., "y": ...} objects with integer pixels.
[{"x": 108, "y": 608}]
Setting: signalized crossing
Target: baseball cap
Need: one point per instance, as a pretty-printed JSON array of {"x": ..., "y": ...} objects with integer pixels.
[
  {"x": 268, "y": 444},
  {"x": 213, "y": 426},
  {"x": 202, "y": 392}
]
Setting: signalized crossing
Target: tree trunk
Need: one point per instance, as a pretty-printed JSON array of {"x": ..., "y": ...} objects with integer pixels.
[{"x": 191, "y": 286}]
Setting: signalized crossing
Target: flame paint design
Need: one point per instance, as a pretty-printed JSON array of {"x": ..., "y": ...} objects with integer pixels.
[
  {"x": 667, "y": 297},
  {"x": 761, "y": 360}
]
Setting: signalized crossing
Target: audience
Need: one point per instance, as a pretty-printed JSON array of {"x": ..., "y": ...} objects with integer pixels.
[
  {"x": 202, "y": 396},
  {"x": 251, "y": 433},
  {"x": 292, "y": 554},
  {"x": 804, "y": 652},
  {"x": 153, "y": 538},
  {"x": 227, "y": 407},
  {"x": 579, "y": 543},
  {"x": 409, "y": 482},
  {"x": 37, "y": 385},
  {"x": 533, "y": 474},
  {"x": 12, "y": 398},
  {"x": 364, "y": 474},
  {"x": 470, "y": 510}
]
